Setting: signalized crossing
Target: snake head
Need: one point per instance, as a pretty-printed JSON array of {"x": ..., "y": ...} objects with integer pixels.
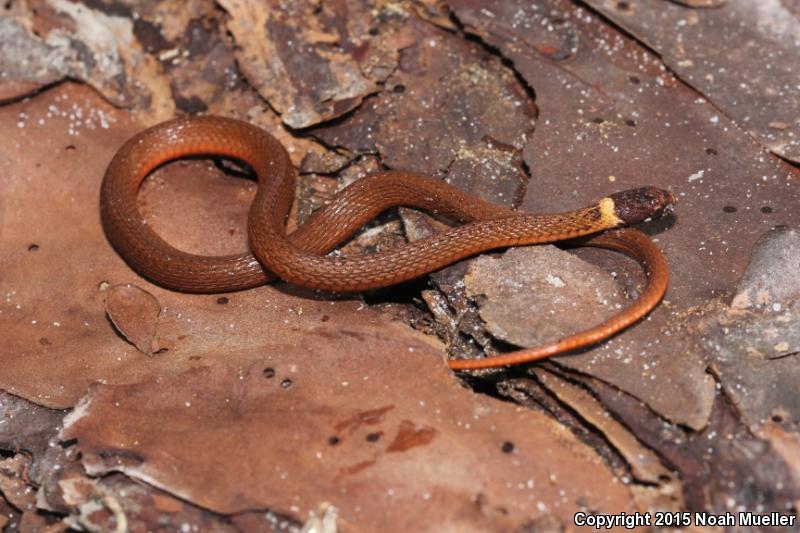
[{"x": 638, "y": 205}]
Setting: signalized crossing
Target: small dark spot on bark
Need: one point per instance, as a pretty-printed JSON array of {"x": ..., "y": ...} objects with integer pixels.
[
  {"x": 83, "y": 52},
  {"x": 507, "y": 447},
  {"x": 44, "y": 341},
  {"x": 374, "y": 437},
  {"x": 334, "y": 440},
  {"x": 729, "y": 209},
  {"x": 160, "y": 351},
  {"x": 286, "y": 383},
  {"x": 399, "y": 88},
  {"x": 118, "y": 9},
  {"x": 200, "y": 39},
  {"x": 149, "y": 35},
  {"x": 630, "y": 122},
  {"x": 766, "y": 209},
  {"x": 711, "y": 151},
  {"x": 222, "y": 300},
  {"x": 190, "y": 105},
  {"x": 634, "y": 79},
  {"x": 33, "y": 247},
  {"x": 70, "y": 147},
  {"x": 325, "y": 318},
  {"x": 269, "y": 372},
  {"x": 623, "y": 6},
  {"x": 598, "y": 120},
  {"x": 778, "y": 419}
]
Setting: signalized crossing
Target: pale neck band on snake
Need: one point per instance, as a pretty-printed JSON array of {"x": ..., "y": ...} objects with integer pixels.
[{"x": 300, "y": 257}]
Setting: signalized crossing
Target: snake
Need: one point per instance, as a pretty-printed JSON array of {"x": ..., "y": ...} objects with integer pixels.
[{"x": 303, "y": 257}]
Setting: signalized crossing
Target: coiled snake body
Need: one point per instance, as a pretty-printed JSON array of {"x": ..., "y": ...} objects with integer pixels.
[{"x": 300, "y": 258}]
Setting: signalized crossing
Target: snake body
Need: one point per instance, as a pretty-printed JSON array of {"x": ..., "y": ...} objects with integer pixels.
[{"x": 300, "y": 257}]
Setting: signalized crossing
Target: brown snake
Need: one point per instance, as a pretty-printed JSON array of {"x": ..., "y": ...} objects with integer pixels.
[{"x": 300, "y": 258}]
